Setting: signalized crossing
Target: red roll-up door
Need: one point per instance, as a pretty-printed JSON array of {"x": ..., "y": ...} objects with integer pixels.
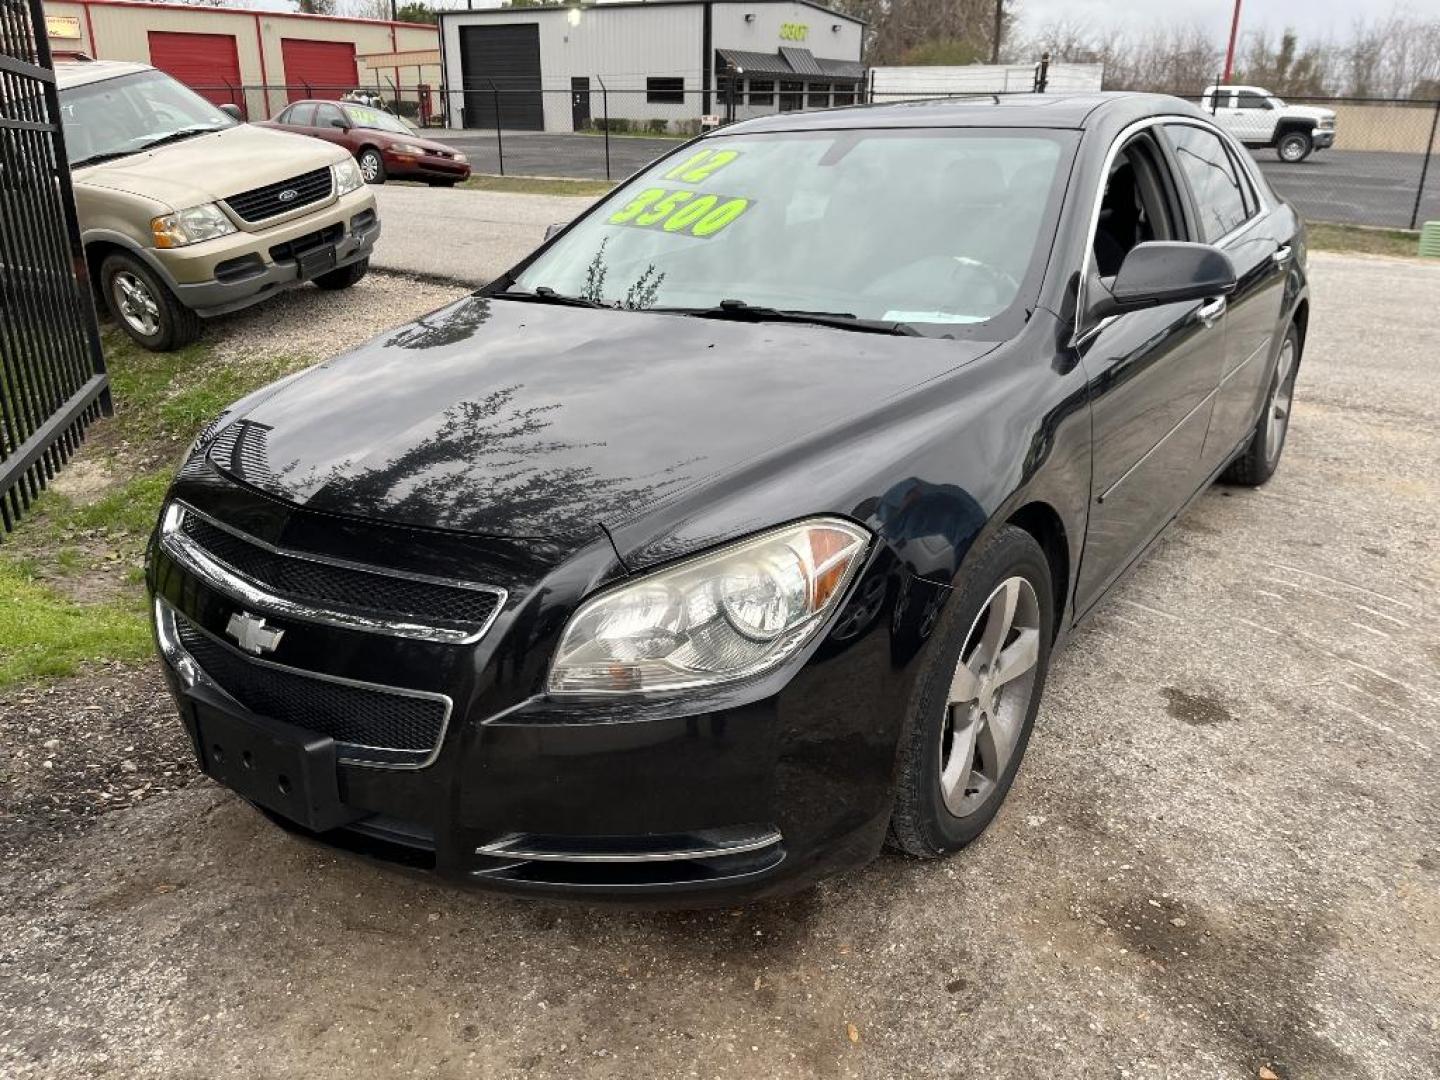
[
  {"x": 207, "y": 63},
  {"x": 318, "y": 69}
]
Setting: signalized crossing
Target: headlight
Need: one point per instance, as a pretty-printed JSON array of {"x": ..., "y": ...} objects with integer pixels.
[
  {"x": 406, "y": 148},
  {"x": 190, "y": 226},
  {"x": 347, "y": 176},
  {"x": 461, "y": 157},
  {"x": 730, "y": 614}
]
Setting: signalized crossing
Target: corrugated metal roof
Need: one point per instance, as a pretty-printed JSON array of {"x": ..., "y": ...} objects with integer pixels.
[
  {"x": 801, "y": 61},
  {"x": 784, "y": 63},
  {"x": 757, "y": 63}
]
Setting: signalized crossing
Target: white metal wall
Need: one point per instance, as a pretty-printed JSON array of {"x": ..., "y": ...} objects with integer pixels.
[{"x": 624, "y": 46}]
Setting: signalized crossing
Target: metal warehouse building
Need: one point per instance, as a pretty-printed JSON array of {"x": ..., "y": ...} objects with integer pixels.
[
  {"x": 657, "y": 65},
  {"x": 258, "y": 60}
]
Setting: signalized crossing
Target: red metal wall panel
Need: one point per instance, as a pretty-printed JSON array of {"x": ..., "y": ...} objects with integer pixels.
[
  {"x": 207, "y": 63},
  {"x": 318, "y": 69}
]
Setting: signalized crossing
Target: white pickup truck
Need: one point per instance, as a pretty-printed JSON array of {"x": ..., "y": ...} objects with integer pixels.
[{"x": 1258, "y": 118}]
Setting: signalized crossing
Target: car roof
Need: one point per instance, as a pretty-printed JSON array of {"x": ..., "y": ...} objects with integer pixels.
[
  {"x": 80, "y": 72},
  {"x": 1072, "y": 111}
]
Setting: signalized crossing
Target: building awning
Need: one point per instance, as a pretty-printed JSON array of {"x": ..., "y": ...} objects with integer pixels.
[{"x": 791, "y": 62}]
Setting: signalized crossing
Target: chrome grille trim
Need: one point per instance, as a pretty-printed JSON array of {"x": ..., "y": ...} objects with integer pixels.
[
  {"x": 168, "y": 634},
  {"x": 247, "y": 591},
  {"x": 511, "y": 847}
]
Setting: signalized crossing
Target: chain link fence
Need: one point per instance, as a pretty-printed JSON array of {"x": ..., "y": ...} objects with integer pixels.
[{"x": 1383, "y": 168}]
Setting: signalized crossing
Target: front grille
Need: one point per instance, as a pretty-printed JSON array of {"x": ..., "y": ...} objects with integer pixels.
[
  {"x": 373, "y": 725},
  {"x": 330, "y": 586},
  {"x": 260, "y": 203},
  {"x": 293, "y": 249}
]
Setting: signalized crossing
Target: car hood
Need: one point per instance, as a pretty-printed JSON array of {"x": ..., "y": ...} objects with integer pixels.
[
  {"x": 211, "y": 167},
  {"x": 1313, "y": 111},
  {"x": 504, "y": 418}
]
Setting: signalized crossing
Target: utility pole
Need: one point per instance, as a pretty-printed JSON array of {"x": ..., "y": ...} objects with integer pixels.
[
  {"x": 1230, "y": 50},
  {"x": 999, "y": 29}
]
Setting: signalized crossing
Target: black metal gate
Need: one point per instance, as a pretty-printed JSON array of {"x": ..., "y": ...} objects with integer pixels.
[{"x": 52, "y": 374}]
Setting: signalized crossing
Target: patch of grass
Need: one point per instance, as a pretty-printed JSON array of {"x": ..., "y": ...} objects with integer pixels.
[
  {"x": 42, "y": 635},
  {"x": 537, "y": 185},
  {"x": 71, "y": 576},
  {"x": 1362, "y": 240},
  {"x": 670, "y": 136}
]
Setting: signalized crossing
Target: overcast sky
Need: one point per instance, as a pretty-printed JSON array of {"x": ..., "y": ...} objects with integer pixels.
[{"x": 1320, "y": 18}]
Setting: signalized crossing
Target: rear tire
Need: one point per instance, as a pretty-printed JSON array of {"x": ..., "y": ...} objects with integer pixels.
[
  {"x": 1294, "y": 146},
  {"x": 1261, "y": 456},
  {"x": 144, "y": 306},
  {"x": 372, "y": 166},
  {"x": 977, "y": 699},
  {"x": 344, "y": 277}
]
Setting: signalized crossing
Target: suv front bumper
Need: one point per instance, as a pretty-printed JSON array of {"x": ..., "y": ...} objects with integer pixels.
[{"x": 235, "y": 271}]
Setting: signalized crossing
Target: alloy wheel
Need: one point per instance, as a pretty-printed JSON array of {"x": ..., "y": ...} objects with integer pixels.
[
  {"x": 135, "y": 303},
  {"x": 370, "y": 167},
  {"x": 1282, "y": 398},
  {"x": 990, "y": 696}
]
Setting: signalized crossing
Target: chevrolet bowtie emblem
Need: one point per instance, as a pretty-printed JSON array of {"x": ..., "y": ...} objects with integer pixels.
[{"x": 252, "y": 634}]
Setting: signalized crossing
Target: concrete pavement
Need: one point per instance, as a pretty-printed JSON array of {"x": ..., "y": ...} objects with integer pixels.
[{"x": 468, "y": 237}]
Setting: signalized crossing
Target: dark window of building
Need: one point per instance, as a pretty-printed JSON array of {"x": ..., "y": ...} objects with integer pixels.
[
  {"x": 818, "y": 96},
  {"x": 844, "y": 95},
  {"x": 762, "y": 92},
  {"x": 792, "y": 96},
  {"x": 665, "y": 91}
]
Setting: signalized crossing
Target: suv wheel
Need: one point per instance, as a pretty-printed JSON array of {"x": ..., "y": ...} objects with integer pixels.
[
  {"x": 978, "y": 699},
  {"x": 1294, "y": 146},
  {"x": 145, "y": 307},
  {"x": 372, "y": 166},
  {"x": 344, "y": 277}
]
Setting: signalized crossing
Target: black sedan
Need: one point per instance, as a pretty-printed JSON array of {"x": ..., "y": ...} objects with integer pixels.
[{"x": 730, "y": 535}]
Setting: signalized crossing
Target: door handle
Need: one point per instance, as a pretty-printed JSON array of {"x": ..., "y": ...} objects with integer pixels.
[
  {"x": 1282, "y": 255},
  {"x": 1209, "y": 312}
]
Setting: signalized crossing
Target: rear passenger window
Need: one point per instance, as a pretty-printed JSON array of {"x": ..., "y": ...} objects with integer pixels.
[
  {"x": 302, "y": 116},
  {"x": 1219, "y": 194}
]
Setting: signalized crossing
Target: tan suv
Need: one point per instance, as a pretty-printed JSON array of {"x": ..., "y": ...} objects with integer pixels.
[{"x": 186, "y": 212}]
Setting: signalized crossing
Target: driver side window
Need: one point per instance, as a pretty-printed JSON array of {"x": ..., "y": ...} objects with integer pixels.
[
  {"x": 1139, "y": 205},
  {"x": 327, "y": 116}
]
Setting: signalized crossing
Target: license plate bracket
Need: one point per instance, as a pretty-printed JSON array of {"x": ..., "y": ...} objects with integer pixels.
[
  {"x": 283, "y": 768},
  {"x": 316, "y": 261}
]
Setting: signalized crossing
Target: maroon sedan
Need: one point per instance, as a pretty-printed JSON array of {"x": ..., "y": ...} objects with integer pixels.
[{"x": 383, "y": 145}]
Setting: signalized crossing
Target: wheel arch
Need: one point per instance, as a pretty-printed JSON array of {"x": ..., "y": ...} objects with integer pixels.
[
  {"x": 1043, "y": 522},
  {"x": 1301, "y": 320},
  {"x": 1304, "y": 125}
]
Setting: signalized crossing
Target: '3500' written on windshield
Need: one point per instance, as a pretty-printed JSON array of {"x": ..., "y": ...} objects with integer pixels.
[{"x": 690, "y": 213}]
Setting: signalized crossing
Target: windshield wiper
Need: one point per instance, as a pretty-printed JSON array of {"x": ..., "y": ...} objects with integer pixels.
[
  {"x": 96, "y": 159},
  {"x": 740, "y": 311},
  {"x": 546, "y": 295},
  {"x": 174, "y": 136}
]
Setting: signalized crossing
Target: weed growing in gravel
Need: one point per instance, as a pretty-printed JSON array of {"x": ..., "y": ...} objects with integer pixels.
[{"x": 72, "y": 577}]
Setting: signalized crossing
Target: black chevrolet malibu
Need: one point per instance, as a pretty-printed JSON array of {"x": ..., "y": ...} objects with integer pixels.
[{"x": 730, "y": 535}]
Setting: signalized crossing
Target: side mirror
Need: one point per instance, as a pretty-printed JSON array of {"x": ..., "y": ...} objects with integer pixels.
[
  {"x": 551, "y": 230},
  {"x": 232, "y": 110},
  {"x": 341, "y": 124},
  {"x": 1166, "y": 272}
]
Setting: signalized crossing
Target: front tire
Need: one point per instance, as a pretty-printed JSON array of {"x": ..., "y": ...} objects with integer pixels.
[
  {"x": 345, "y": 276},
  {"x": 1294, "y": 147},
  {"x": 372, "y": 166},
  {"x": 1261, "y": 456},
  {"x": 978, "y": 699},
  {"x": 144, "y": 306}
]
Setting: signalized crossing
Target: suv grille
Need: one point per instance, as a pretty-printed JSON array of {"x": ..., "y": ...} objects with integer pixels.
[
  {"x": 328, "y": 586},
  {"x": 374, "y": 725},
  {"x": 268, "y": 201}
]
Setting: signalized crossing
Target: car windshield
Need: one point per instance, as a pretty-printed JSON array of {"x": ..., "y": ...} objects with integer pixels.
[
  {"x": 365, "y": 117},
  {"x": 914, "y": 226},
  {"x": 122, "y": 116}
]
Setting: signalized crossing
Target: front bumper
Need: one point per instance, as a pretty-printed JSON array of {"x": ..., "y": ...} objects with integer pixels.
[
  {"x": 753, "y": 791},
  {"x": 425, "y": 167},
  {"x": 1322, "y": 138},
  {"x": 241, "y": 269}
]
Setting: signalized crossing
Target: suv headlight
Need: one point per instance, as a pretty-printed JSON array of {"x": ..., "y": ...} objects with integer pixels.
[
  {"x": 190, "y": 226},
  {"x": 732, "y": 613},
  {"x": 347, "y": 176}
]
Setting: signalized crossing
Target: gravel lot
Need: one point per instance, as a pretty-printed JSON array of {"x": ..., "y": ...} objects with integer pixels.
[{"x": 1219, "y": 858}]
